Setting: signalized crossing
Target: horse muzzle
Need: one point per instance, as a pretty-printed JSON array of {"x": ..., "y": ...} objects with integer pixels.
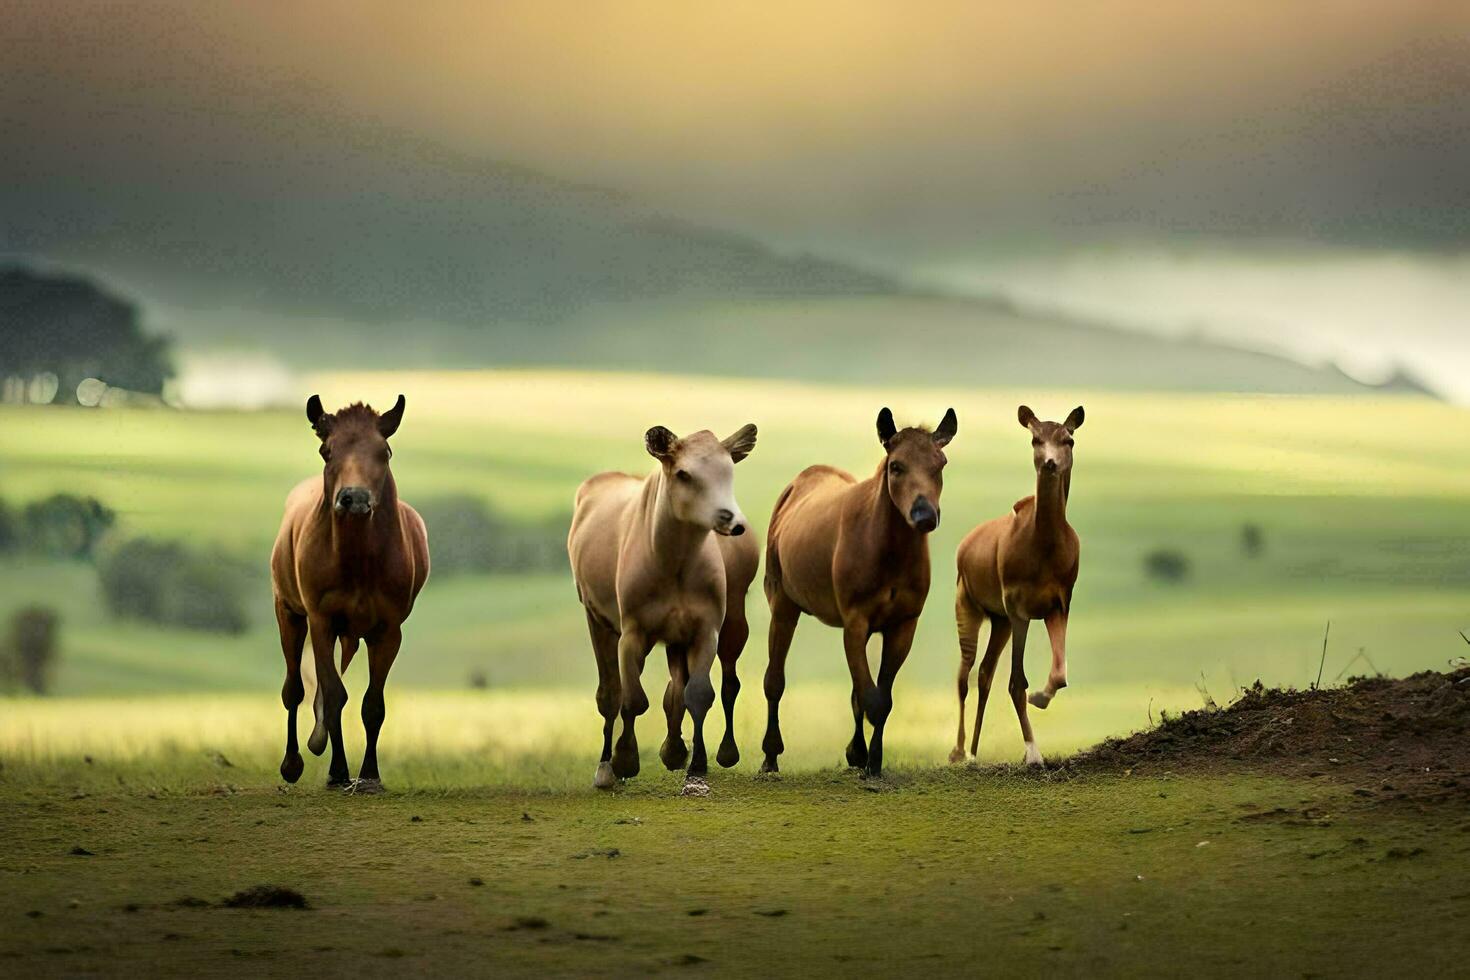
[
  {"x": 924, "y": 516},
  {"x": 353, "y": 500},
  {"x": 728, "y": 524}
]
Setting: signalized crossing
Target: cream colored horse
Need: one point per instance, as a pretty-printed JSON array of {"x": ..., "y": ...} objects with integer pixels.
[{"x": 666, "y": 558}]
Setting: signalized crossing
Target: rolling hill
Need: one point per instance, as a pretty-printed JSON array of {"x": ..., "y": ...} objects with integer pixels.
[{"x": 360, "y": 248}]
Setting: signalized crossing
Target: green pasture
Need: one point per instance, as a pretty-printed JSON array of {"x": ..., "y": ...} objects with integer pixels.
[
  {"x": 115, "y": 866},
  {"x": 1362, "y": 503}
]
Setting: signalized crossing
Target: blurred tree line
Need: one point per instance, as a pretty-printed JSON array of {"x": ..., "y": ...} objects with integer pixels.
[
  {"x": 468, "y": 535},
  {"x": 70, "y": 329}
]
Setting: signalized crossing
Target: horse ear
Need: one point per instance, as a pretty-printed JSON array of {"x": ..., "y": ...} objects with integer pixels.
[
  {"x": 886, "y": 429},
  {"x": 1026, "y": 417},
  {"x": 660, "y": 443},
  {"x": 741, "y": 443},
  {"x": 318, "y": 417},
  {"x": 388, "y": 422},
  {"x": 947, "y": 428},
  {"x": 1074, "y": 421}
]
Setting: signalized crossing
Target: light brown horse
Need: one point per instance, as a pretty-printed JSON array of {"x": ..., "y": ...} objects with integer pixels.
[
  {"x": 1016, "y": 569},
  {"x": 856, "y": 556},
  {"x": 649, "y": 570},
  {"x": 347, "y": 565}
]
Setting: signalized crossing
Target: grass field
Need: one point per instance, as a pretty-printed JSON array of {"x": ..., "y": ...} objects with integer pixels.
[
  {"x": 161, "y": 760},
  {"x": 117, "y": 867},
  {"x": 1361, "y": 502}
]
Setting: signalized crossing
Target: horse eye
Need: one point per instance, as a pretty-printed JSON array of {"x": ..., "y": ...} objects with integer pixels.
[
  {"x": 326, "y": 453},
  {"x": 683, "y": 476},
  {"x": 896, "y": 469},
  {"x": 1035, "y": 442}
]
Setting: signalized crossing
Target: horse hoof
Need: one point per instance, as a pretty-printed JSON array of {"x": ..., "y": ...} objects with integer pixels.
[
  {"x": 674, "y": 754},
  {"x": 625, "y": 764},
  {"x": 694, "y": 786},
  {"x": 364, "y": 787},
  {"x": 1033, "y": 755},
  {"x": 728, "y": 755},
  {"x": 291, "y": 767},
  {"x": 604, "y": 777},
  {"x": 338, "y": 783},
  {"x": 956, "y": 756},
  {"x": 317, "y": 743},
  {"x": 770, "y": 765},
  {"x": 857, "y": 758},
  {"x": 1039, "y": 699}
]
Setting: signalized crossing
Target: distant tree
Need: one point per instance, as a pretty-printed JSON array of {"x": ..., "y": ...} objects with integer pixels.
[
  {"x": 9, "y": 529},
  {"x": 1165, "y": 565},
  {"x": 65, "y": 526},
  {"x": 30, "y": 648},
  {"x": 69, "y": 327},
  {"x": 1252, "y": 540}
]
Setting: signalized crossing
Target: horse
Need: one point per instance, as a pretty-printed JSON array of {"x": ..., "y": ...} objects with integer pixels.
[
  {"x": 348, "y": 563},
  {"x": 1019, "y": 568},
  {"x": 855, "y": 555},
  {"x": 666, "y": 558}
]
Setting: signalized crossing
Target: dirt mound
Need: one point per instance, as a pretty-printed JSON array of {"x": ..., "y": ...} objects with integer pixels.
[{"x": 1393, "y": 739}]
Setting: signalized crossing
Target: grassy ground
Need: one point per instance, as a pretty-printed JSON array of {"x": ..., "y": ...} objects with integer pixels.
[{"x": 944, "y": 871}]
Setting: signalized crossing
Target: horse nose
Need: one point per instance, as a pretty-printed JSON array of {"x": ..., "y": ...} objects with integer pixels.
[
  {"x": 923, "y": 515},
  {"x": 354, "y": 500},
  {"x": 727, "y": 522}
]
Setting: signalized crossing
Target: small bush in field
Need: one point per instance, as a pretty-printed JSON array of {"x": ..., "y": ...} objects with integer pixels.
[
  {"x": 1252, "y": 540},
  {"x": 64, "y": 525},
  {"x": 1165, "y": 565},
  {"x": 166, "y": 583},
  {"x": 468, "y": 535},
  {"x": 29, "y": 649}
]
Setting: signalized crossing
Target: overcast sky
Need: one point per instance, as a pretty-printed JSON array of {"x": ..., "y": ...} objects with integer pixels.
[{"x": 1239, "y": 167}]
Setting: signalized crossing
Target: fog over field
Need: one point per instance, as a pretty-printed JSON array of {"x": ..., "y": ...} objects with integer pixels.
[{"x": 1282, "y": 178}]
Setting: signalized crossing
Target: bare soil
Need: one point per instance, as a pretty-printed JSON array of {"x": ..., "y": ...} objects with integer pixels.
[{"x": 1406, "y": 739}]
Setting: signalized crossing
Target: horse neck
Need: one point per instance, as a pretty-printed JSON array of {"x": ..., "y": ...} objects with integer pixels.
[
  {"x": 1050, "y": 516},
  {"x": 674, "y": 542},
  {"x": 360, "y": 545},
  {"x": 889, "y": 530}
]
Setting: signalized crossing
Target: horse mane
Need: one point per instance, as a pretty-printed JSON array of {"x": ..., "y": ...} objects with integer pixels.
[{"x": 356, "y": 413}]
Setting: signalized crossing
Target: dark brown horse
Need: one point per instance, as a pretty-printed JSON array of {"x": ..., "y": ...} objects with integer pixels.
[
  {"x": 856, "y": 556},
  {"x": 347, "y": 565}
]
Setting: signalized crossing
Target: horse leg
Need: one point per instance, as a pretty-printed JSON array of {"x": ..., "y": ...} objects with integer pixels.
[
  {"x": 609, "y": 695},
  {"x": 333, "y": 694},
  {"x": 784, "y": 614},
  {"x": 1000, "y": 632},
  {"x": 866, "y": 699},
  {"x": 968, "y": 625},
  {"x": 897, "y": 640},
  {"x": 382, "y": 650},
  {"x": 1056, "y": 631},
  {"x": 699, "y": 696},
  {"x": 633, "y": 648},
  {"x": 733, "y": 634},
  {"x": 293, "y": 642},
  {"x": 674, "y": 753},
  {"x": 1018, "y": 688}
]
